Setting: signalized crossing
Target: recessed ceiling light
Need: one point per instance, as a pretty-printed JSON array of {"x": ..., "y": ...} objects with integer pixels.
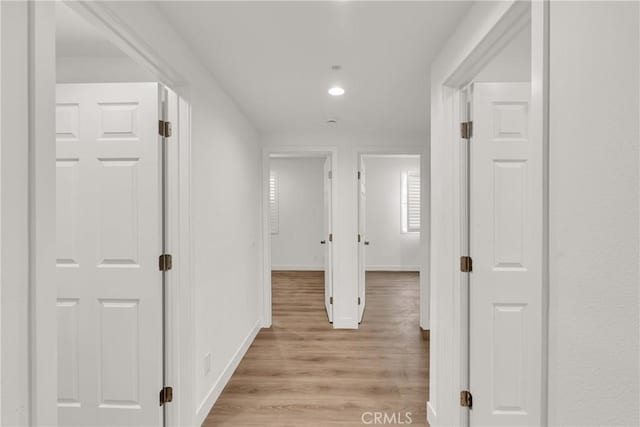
[{"x": 336, "y": 91}]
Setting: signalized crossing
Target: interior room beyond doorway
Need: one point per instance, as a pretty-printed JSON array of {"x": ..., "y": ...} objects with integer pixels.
[{"x": 389, "y": 221}]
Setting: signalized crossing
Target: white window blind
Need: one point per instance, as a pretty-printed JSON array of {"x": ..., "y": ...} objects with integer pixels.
[
  {"x": 273, "y": 202},
  {"x": 410, "y": 202}
]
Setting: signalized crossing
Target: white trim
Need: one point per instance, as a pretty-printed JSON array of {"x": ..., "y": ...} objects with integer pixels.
[
  {"x": 286, "y": 151},
  {"x": 210, "y": 399},
  {"x": 297, "y": 268},
  {"x": 432, "y": 418},
  {"x": 14, "y": 261},
  {"x": 43, "y": 336},
  {"x": 180, "y": 301},
  {"x": 540, "y": 130},
  {"x": 408, "y": 268}
]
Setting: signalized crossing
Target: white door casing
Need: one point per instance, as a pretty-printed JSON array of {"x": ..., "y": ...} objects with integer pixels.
[
  {"x": 362, "y": 239},
  {"x": 108, "y": 225},
  {"x": 506, "y": 248},
  {"x": 328, "y": 239}
]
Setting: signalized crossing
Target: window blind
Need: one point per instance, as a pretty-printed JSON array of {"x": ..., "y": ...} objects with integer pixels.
[{"x": 413, "y": 201}]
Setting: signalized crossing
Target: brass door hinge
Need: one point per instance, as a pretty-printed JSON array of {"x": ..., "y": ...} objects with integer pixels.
[
  {"x": 330, "y": 300},
  {"x": 164, "y": 128},
  {"x": 359, "y": 174},
  {"x": 466, "y": 264},
  {"x": 166, "y": 395},
  {"x": 331, "y": 237},
  {"x": 165, "y": 262},
  {"x": 466, "y": 130},
  {"x": 358, "y": 238},
  {"x": 358, "y": 300},
  {"x": 466, "y": 400}
]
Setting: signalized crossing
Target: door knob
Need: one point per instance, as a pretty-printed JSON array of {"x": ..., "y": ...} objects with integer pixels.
[
  {"x": 322, "y": 242},
  {"x": 366, "y": 243}
]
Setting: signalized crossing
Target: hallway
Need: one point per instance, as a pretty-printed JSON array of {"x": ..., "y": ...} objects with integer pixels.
[{"x": 302, "y": 372}]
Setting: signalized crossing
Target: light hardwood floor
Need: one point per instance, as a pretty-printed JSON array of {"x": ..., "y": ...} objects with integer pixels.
[{"x": 303, "y": 373}]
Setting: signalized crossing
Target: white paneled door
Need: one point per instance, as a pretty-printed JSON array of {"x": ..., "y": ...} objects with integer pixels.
[
  {"x": 108, "y": 224},
  {"x": 506, "y": 248},
  {"x": 328, "y": 238},
  {"x": 362, "y": 242}
]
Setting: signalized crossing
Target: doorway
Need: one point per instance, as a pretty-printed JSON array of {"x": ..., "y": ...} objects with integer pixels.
[
  {"x": 389, "y": 223},
  {"x": 300, "y": 223},
  {"x": 112, "y": 223},
  {"x": 501, "y": 240}
]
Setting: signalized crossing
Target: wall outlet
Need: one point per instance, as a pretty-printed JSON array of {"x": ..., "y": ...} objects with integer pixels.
[{"x": 206, "y": 364}]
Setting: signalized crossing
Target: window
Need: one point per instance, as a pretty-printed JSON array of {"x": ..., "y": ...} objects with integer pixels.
[
  {"x": 410, "y": 202},
  {"x": 273, "y": 202}
]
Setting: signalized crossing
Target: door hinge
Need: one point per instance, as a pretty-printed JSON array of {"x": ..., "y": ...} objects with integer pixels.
[
  {"x": 165, "y": 262},
  {"x": 358, "y": 238},
  {"x": 331, "y": 237},
  {"x": 359, "y": 175},
  {"x": 166, "y": 395},
  {"x": 466, "y": 130},
  {"x": 164, "y": 128},
  {"x": 330, "y": 300},
  {"x": 358, "y": 300},
  {"x": 330, "y": 174},
  {"x": 466, "y": 264},
  {"x": 466, "y": 400}
]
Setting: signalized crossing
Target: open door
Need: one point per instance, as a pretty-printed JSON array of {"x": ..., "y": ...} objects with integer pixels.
[
  {"x": 108, "y": 239},
  {"x": 328, "y": 239},
  {"x": 362, "y": 240},
  {"x": 505, "y": 236}
]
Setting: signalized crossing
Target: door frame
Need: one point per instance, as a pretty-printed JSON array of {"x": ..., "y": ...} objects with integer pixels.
[
  {"x": 514, "y": 19},
  {"x": 425, "y": 220},
  {"x": 295, "y": 152},
  {"x": 40, "y": 399}
]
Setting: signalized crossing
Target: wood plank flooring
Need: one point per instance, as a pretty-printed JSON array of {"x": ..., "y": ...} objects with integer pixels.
[{"x": 303, "y": 373}]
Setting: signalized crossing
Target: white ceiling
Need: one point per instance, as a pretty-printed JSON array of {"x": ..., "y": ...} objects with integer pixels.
[
  {"x": 75, "y": 37},
  {"x": 275, "y": 58}
]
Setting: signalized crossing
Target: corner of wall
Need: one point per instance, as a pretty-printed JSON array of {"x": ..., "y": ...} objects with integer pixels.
[{"x": 218, "y": 386}]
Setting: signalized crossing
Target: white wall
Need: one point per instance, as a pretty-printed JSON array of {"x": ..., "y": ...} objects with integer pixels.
[
  {"x": 593, "y": 214},
  {"x": 390, "y": 249},
  {"x": 345, "y": 230},
  {"x": 225, "y": 224},
  {"x": 297, "y": 246},
  {"x": 100, "y": 70}
]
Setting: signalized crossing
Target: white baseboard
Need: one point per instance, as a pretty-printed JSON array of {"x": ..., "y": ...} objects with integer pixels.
[
  {"x": 431, "y": 415},
  {"x": 415, "y": 268},
  {"x": 207, "y": 403},
  {"x": 297, "y": 268},
  {"x": 345, "y": 323}
]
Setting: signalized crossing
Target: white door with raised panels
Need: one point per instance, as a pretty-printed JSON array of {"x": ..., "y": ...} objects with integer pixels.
[
  {"x": 327, "y": 240},
  {"x": 505, "y": 321},
  {"x": 108, "y": 225}
]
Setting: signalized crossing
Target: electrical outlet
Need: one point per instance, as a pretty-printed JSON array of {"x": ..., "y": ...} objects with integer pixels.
[{"x": 206, "y": 364}]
